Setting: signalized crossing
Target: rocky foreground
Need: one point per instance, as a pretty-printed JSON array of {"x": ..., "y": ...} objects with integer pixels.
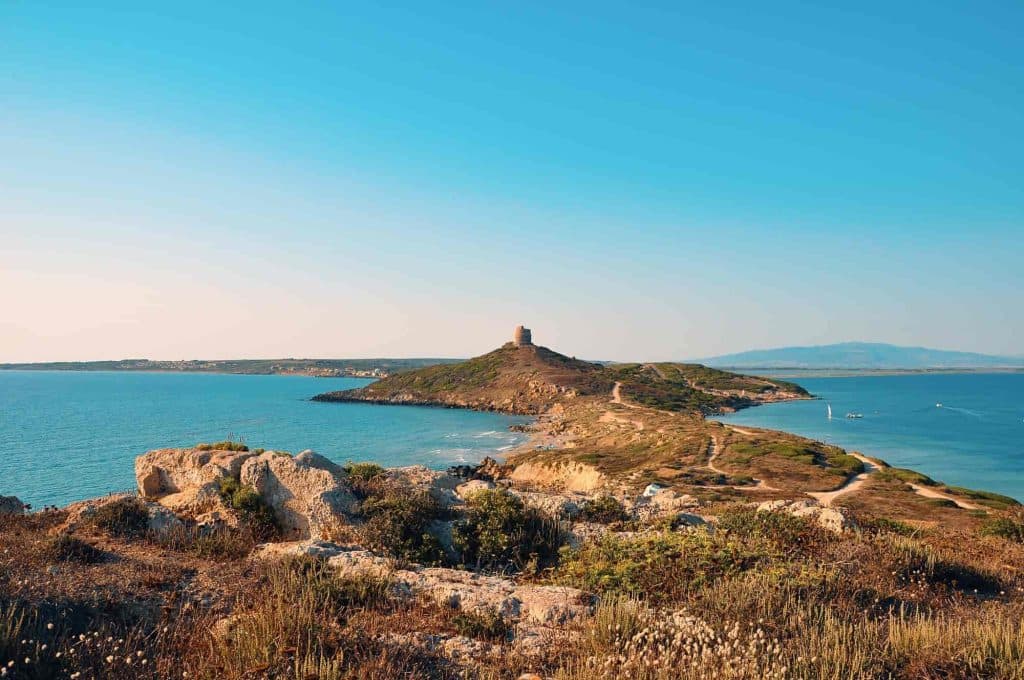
[{"x": 231, "y": 563}]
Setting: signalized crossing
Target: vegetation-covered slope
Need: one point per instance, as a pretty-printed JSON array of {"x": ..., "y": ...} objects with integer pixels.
[{"x": 530, "y": 379}]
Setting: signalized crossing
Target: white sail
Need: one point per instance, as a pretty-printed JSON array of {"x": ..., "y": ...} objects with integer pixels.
[{"x": 830, "y": 411}]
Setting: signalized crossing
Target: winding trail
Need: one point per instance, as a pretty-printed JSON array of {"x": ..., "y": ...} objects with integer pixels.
[
  {"x": 713, "y": 450},
  {"x": 850, "y": 485},
  {"x": 931, "y": 493},
  {"x": 857, "y": 481}
]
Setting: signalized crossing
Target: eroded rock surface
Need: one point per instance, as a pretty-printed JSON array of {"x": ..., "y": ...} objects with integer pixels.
[
  {"x": 159, "y": 520},
  {"x": 454, "y": 588},
  {"x": 187, "y": 480},
  {"x": 308, "y": 493},
  {"x": 832, "y": 519}
]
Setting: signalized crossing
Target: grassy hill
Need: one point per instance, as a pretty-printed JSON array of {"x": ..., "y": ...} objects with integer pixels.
[{"x": 530, "y": 379}]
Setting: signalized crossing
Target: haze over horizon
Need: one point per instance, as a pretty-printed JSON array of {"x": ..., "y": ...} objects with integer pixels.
[{"x": 192, "y": 181}]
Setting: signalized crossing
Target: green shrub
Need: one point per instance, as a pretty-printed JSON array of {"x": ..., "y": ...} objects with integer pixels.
[
  {"x": 487, "y": 625},
  {"x": 125, "y": 517},
  {"x": 257, "y": 516},
  {"x": 1008, "y": 527},
  {"x": 365, "y": 479},
  {"x": 662, "y": 566},
  {"x": 892, "y": 526},
  {"x": 603, "y": 510},
  {"x": 500, "y": 532},
  {"x": 67, "y": 548},
  {"x": 219, "y": 543},
  {"x": 223, "y": 446},
  {"x": 398, "y": 523},
  {"x": 904, "y": 475},
  {"x": 782, "y": 531}
]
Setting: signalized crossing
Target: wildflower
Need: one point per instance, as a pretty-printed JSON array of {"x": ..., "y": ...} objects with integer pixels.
[
  {"x": 49, "y": 626},
  {"x": 110, "y": 659}
]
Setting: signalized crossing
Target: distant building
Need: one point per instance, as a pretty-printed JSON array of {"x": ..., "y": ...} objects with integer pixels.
[{"x": 522, "y": 337}]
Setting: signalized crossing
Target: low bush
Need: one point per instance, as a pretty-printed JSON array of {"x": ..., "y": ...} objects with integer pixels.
[
  {"x": 220, "y": 543},
  {"x": 124, "y": 517},
  {"x": 662, "y": 567},
  {"x": 398, "y": 523},
  {"x": 784, "y": 532},
  {"x": 487, "y": 625},
  {"x": 501, "y": 533},
  {"x": 1010, "y": 527},
  {"x": 365, "y": 479},
  {"x": 603, "y": 510},
  {"x": 892, "y": 526},
  {"x": 223, "y": 446},
  {"x": 67, "y": 548},
  {"x": 255, "y": 514}
]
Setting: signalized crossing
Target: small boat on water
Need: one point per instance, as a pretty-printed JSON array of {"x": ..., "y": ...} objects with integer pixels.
[
  {"x": 938, "y": 405},
  {"x": 851, "y": 414},
  {"x": 830, "y": 411}
]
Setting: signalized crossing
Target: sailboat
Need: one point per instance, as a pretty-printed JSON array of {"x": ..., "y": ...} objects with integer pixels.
[{"x": 830, "y": 411}]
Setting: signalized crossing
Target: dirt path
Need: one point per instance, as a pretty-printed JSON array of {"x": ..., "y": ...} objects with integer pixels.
[
  {"x": 609, "y": 416},
  {"x": 931, "y": 493},
  {"x": 851, "y": 485},
  {"x": 713, "y": 450}
]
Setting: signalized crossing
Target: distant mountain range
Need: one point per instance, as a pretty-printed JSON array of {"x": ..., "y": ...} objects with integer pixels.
[{"x": 861, "y": 355}]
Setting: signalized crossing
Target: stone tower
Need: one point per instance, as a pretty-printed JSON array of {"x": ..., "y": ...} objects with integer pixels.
[{"x": 522, "y": 337}]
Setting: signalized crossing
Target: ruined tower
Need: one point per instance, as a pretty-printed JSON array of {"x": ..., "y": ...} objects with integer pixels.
[{"x": 521, "y": 337}]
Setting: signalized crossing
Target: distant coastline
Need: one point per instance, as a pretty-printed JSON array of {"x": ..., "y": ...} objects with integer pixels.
[{"x": 318, "y": 368}]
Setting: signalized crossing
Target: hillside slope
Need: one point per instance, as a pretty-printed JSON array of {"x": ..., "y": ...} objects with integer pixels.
[{"x": 530, "y": 379}]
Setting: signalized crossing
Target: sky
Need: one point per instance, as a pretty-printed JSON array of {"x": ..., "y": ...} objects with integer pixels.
[{"x": 630, "y": 180}]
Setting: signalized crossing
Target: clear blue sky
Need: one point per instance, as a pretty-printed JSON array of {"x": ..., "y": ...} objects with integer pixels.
[{"x": 295, "y": 179}]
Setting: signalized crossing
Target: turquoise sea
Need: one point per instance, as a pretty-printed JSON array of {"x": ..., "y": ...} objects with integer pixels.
[
  {"x": 66, "y": 436},
  {"x": 974, "y": 439}
]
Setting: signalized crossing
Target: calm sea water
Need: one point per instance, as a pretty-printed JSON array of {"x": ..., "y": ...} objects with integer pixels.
[
  {"x": 975, "y": 439},
  {"x": 66, "y": 436}
]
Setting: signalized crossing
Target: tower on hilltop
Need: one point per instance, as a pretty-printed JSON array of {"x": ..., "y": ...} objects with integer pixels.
[{"x": 522, "y": 337}]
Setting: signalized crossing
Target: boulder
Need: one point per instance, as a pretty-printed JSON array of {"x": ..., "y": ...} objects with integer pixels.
[
  {"x": 187, "y": 480},
  {"x": 558, "y": 505},
  {"x": 663, "y": 502},
  {"x": 440, "y": 485},
  {"x": 453, "y": 588},
  {"x": 159, "y": 519},
  {"x": 309, "y": 494},
  {"x": 585, "y": 532},
  {"x": 686, "y": 520},
  {"x": 467, "y": 489},
  {"x": 11, "y": 505},
  {"x": 829, "y": 518}
]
